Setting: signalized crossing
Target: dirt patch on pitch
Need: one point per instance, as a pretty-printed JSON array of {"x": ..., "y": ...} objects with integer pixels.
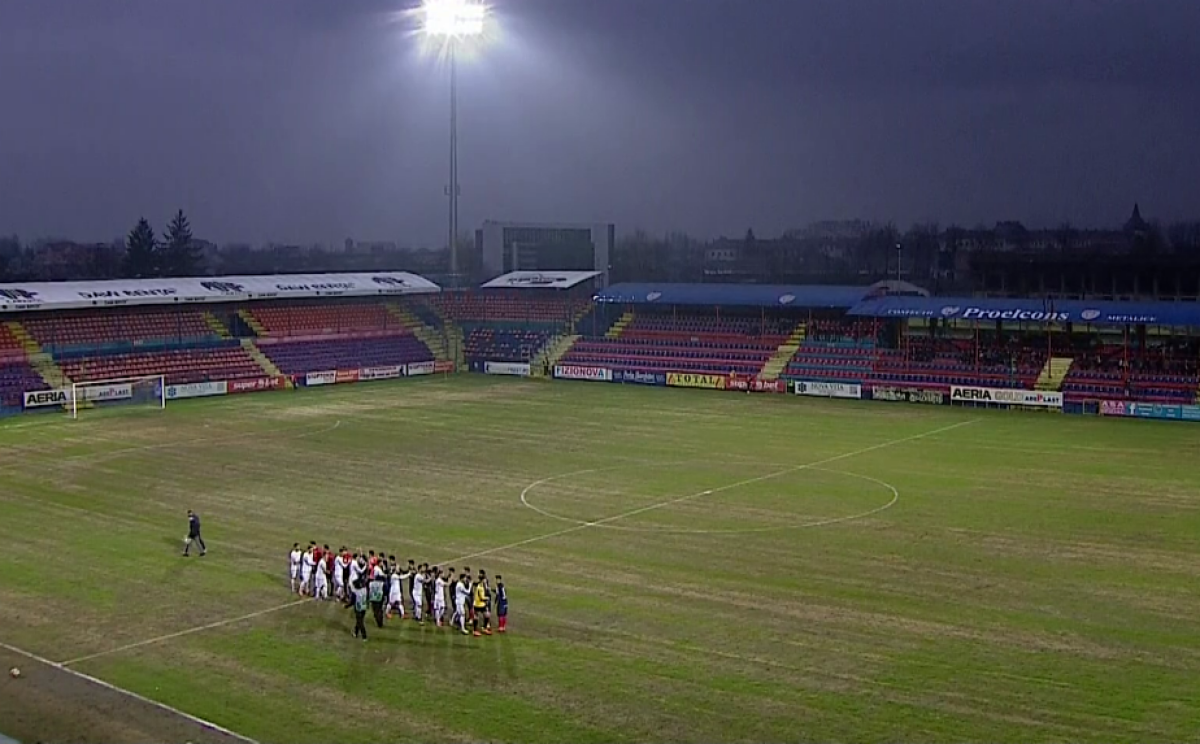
[{"x": 49, "y": 704}]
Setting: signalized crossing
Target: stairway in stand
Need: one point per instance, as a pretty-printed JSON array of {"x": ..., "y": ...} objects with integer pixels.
[
  {"x": 216, "y": 325},
  {"x": 445, "y": 344},
  {"x": 252, "y": 322},
  {"x": 268, "y": 367},
  {"x": 778, "y": 362},
  {"x": 548, "y": 356},
  {"x": 619, "y": 326},
  {"x": 42, "y": 362},
  {"x": 1053, "y": 373}
]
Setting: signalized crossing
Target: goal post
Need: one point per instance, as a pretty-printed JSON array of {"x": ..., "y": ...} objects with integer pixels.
[{"x": 147, "y": 391}]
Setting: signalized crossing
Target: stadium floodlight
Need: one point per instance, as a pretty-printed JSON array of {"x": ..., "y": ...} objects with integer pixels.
[
  {"x": 453, "y": 19},
  {"x": 450, "y": 22}
]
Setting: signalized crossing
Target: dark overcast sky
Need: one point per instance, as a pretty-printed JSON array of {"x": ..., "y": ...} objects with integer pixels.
[{"x": 317, "y": 120}]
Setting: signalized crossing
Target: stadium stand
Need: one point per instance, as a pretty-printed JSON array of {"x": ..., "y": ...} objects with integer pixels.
[
  {"x": 657, "y": 342},
  {"x": 16, "y": 375},
  {"x": 116, "y": 327},
  {"x": 220, "y": 360},
  {"x": 504, "y": 345},
  {"x": 300, "y": 357},
  {"x": 310, "y": 319}
]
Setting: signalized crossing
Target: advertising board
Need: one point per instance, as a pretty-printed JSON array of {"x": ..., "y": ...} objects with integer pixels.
[
  {"x": 197, "y": 390},
  {"x": 696, "y": 380},
  {"x": 907, "y": 395},
  {"x": 519, "y": 369},
  {"x": 380, "y": 373},
  {"x": 43, "y": 398},
  {"x": 828, "y": 389},
  {"x": 254, "y": 384},
  {"x": 346, "y": 375},
  {"x": 1006, "y": 397},
  {"x": 416, "y": 369},
  {"x": 639, "y": 378},
  {"x": 329, "y": 377},
  {"x": 573, "y": 372}
]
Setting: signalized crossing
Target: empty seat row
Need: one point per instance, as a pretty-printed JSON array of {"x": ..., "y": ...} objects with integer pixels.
[
  {"x": 300, "y": 357},
  {"x": 315, "y": 320}
]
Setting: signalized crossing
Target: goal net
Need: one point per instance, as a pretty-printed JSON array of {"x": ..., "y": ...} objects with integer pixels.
[{"x": 149, "y": 391}]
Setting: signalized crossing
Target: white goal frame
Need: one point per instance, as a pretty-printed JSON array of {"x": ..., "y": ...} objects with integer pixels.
[{"x": 76, "y": 387}]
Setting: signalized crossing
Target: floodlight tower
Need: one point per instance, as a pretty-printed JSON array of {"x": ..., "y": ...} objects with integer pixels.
[{"x": 450, "y": 22}]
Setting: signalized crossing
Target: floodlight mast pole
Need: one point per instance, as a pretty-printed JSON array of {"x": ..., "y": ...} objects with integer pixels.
[{"x": 453, "y": 189}]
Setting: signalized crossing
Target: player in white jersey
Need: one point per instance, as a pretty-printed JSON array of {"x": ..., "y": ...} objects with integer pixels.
[
  {"x": 321, "y": 578},
  {"x": 307, "y": 563},
  {"x": 356, "y": 569},
  {"x": 294, "y": 566},
  {"x": 439, "y": 597},
  {"x": 395, "y": 600},
  {"x": 340, "y": 564},
  {"x": 418, "y": 595},
  {"x": 461, "y": 594}
]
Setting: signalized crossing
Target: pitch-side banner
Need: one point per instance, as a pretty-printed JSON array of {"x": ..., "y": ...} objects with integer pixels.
[
  {"x": 329, "y": 377},
  {"x": 506, "y": 368},
  {"x": 572, "y": 372},
  {"x": 416, "y": 369},
  {"x": 197, "y": 390},
  {"x": 254, "y": 384},
  {"x": 43, "y": 398},
  {"x": 696, "y": 380},
  {"x": 1006, "y": 397},
  {"x": 754, "y": 384},
  {"x": 380, "y": 373},
  {"x": 829, "y": 389}
]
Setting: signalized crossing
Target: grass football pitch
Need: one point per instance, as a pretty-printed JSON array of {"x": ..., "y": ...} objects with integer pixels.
[{"x": 683, "y": 565}]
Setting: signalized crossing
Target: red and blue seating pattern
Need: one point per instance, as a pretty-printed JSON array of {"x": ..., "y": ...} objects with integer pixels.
[
  {"x": 118, "y": 327},
  {"x": 1163, "y": 375},
  {"x": 511, "y": 307},
  {"x": 324, "y": 319},
  {"x": 301, "y": 357},
  {"x": 833, "y": 361},
  {"x": 488, "y": 344},
  {"x": 215, "y": 361},
  {"x": 16, "y": 376},
  {"x": 684, "y": 343}
]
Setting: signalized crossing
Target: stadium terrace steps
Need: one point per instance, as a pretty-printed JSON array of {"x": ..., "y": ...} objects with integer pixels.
[
  {"x": 252, "y": 322},
  {"x": 551, "y": 353},
  {"x": 217, "y": 326},
  {"x": 1053, "y": 374},
  {"x": 264, "y": 361},
  {"x": 618, "y": 327},
  {"x": 775, "y": 366},
  {"x": 437, "y": 342},
  {"x": 39, "y": 360}
]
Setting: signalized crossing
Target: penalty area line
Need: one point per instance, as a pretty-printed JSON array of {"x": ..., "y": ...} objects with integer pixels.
[{"x": 128, "y": 693}]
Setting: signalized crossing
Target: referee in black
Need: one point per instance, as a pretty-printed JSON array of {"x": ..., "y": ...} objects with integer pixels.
[{"x": 193, "y": 534}]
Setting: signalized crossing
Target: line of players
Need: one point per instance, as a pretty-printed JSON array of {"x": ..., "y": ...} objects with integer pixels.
[{"x": 363, "y": 580}]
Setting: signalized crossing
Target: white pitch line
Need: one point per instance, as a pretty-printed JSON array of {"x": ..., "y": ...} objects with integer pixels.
[
  {"x": 181, "y": 633},
  {"x": 746, "y": 482},
  {"x": 121, "y": 690}
]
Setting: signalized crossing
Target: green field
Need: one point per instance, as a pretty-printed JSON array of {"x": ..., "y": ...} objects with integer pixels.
[{"x": 686, "y": 566}]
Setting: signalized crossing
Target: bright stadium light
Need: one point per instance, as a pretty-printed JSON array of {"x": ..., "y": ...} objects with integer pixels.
[
  {"x": 451, "y": 22},
  {"x": 453, "y": 19}
]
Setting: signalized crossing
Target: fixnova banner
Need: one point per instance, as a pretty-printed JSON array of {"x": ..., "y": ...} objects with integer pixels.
[
  {"x": 328, "y": 377},
  {"x": 416, "y": 369},
  {"x": 1006, "y": 397},
  {"x": 43, "y": 398},
  {"x": 571, "y": 372},
  {"x": 506, "y": 368},
  {"x": 696, "y": 380},
  {"x": 829, "y": 389},
  {"x": 380, "y": 373},
  {"x": 197, "y": 390}
]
